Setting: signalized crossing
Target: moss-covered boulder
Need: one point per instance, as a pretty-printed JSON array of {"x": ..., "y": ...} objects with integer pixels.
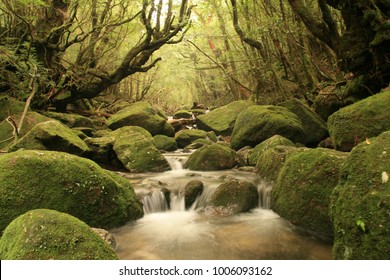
[
  {"x": 222, "y": 120},
  {"x": 259, "y": 122},
  {"x": 328, "y": 101},
  {"x": 235, "y": 196},
  {"x": 192, "y": 190},
  {"x": 135, "y": 148},
  {"x": 71, "y": 120},
  {"x": 360, "y": 205},
  {"x": 54, "y": 136},
  {"x": 164, "y": 143},
  {"x": 141, "y": 114},
  {"x": 272, "y": 160},
  {"x": 315, "y": 129},
  {"x": 185, "y": 114},
  {"x": 303, "y": 189},
  {"x": 66, "y": 183},
  {"x": 212, "y": 157},
  {"x": 101, "y": 151},
  {"x": 44, "y": 234},
  {"x": 6, "y": 131},
  {"x": 273, "y": 141},
  {"x": 354, "y": 123},
  {"x": 187, "y": 136},
  {"x": 198, "y": 143}
]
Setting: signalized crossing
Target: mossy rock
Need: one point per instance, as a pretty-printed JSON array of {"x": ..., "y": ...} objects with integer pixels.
[
  {"x": 139, "y": 114},
  {"x": 66, "y": 183},
  {"x": 71, "y": 120},
  {"x": 258, "y": 123},
  {"x": 272, "y": 160},
  {"x": 164, "y": 143},
  {"x": 54, "y": 136},
  {"x": 313, "y": 125},
  {"x": 31, "y": 119},
  {"x": 222, "y": 120},
  {"x": 328, "y": 102},
  {"x": 101, "y": 151},
  {"x": 212, "y": 136},
  {"x": 273, "y": 141},
  {"x": 198, "y": 143},
  {"x": 235, "y": 196},
  {"x": 187, "y": 136},
  {"x": 129, "y": 131},
  {"x": 360, "y": 205},
  {"x": 212, "y": 157},
  {"x": 192, "y": 190},
  {"x": 354, "y": 123},
  {"x": 44, "y": 234},
  {"x": 303, "y": 189},
  {"x": 185, "y": 114},
  {"x": 137, "y": 152}
]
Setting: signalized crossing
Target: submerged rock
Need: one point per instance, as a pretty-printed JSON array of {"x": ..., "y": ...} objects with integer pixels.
[
  {"x": 258, "y": 123},
  {"x": 361, "y": 202},
  {"x": 235, "y": 196},
  {"x": 54, "y": 136},
  {"x": 222, "y": 120},
  {"x": 66, "y": 183},
  {"x": 303, "y": 189},
  {"x": 44, "y": 234},
  {"x": 354, "y": 123},
  {"x": 212, "y": 157}
]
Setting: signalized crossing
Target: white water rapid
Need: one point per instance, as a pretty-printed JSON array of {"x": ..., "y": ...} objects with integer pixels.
[{"x": 170, "y": 231}]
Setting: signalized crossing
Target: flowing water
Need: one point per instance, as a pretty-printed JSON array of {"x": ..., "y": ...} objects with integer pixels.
[{"x": 170, "y": 231}]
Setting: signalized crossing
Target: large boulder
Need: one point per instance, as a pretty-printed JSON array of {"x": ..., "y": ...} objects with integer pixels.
[
  {"x": 164, "y": 143},
  {"x": 54, "y": 136},
  {"x": 101, "y": 151},
  {"x": 235, "y": 196},
  {"x": 313, "y": 125},
  {"x": 44, "y": 234},
  {"x": 222, "y": 120},
  {"x": 182, "y": 114},
  {"x": 272, "y": 160},
  {"x": 354, "y": 123},
  {"x": 360, "y": 205},
  {"x": 258, "y": 123},
  {"x": 71, "y": 120},
  {"x": 6, "y": 130},
  {"x": 135, "y": 148},
  {"x": 273, "y": 141},
  {"x": 66, "y": 183},
  {"x": 141, "y": 114},
  {"x": 188, "y": 136},
  {"x": 212, "y": 157},
  {"x": 303, "y": 189}
]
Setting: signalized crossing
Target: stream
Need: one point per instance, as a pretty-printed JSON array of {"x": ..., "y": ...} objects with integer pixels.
[{"x": 171, "y": 232}]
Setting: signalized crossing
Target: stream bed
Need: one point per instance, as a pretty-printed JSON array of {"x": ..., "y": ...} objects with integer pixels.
[{"x": 171, "y": 232}]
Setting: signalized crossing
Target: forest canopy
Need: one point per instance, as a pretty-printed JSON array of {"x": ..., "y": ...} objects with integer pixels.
[{"x": 63, "y": 52}]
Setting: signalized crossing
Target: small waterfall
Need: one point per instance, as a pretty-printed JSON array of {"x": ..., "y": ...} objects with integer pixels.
[
  {"x": 154, "y": 202},
  {"x": 264, "y": 189},
  {"x": 176, "y": 160}
]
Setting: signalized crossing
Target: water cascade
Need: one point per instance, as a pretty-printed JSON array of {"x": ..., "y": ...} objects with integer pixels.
[{"x": 170, "y": 231}]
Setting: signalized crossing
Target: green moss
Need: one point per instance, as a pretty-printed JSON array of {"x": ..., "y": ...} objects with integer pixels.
[
  {"x": 164, "y": 143},
  {"x": 186, "y": 137},
  {"x": 273, "y": 141},
  {"x": 192, "y": 191},
  {"x": 222, "y": 120},
  {"x": 71, "y": 120},
  {"x": 10, "y": 107},
  {"x": 212, "y": 157},
  {"x": 303, "y": 188},
  {"x": 66, "y": 183},
  {"x": 182, "y": 114},
  {"x": 139, "y": 154},
  {"x": 363, "y": 196},
  {"x": 354, "y": 123},
  {"x": 44, "y": 234},
  {"x": 237, "y": 196},
  {"x": 51, "y": 135},
  {"x": 258, "y": 123}
]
